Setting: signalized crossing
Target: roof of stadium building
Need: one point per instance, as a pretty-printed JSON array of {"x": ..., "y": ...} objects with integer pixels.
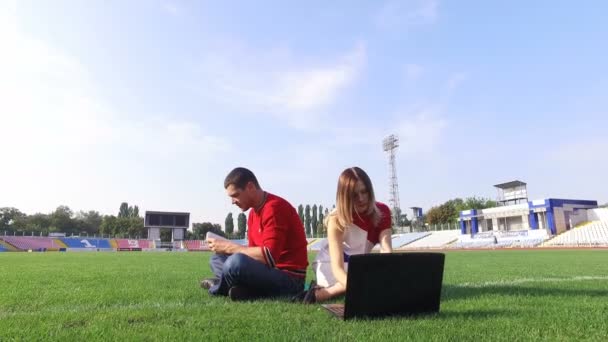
[{"x": 510, "y": 184}]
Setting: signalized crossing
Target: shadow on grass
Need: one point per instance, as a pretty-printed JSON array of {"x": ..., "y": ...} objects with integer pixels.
[{"x": 473, "y": 314}]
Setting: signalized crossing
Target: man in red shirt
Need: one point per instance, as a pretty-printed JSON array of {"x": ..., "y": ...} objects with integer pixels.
[{"x": 274, "y": 264}]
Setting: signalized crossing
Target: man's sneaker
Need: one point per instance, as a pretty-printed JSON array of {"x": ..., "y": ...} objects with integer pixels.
[
  {"x": 238, "y": 293},
  {"x": 310, "y": 295},
  {"x": 207, "y": 283},
  {"x": 299, "y": 297}
]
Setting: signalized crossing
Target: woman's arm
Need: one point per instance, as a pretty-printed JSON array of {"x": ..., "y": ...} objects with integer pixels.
[
  {"x": 335, "y": 238},
  {"x": 385, "y": 241}
]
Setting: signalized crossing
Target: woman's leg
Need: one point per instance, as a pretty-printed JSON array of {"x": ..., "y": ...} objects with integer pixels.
[
  {"x": 325, "y": 293},
  {"x": 325, "y": 277}
]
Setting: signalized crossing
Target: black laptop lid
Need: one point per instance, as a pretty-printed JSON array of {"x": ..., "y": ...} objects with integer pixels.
[{"x": 393, "y": 284}]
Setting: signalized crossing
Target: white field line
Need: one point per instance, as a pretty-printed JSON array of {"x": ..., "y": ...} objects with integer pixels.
[{"x": 530, "y": 280}]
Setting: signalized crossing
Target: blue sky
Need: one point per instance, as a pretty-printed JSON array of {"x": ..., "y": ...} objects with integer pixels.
[{"x": 153, "y": 102}]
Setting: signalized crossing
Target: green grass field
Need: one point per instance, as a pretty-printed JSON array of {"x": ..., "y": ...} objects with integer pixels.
[{"x": 487, "y": 295}]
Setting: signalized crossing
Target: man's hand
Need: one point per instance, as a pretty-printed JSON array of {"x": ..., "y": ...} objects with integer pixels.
[{"x": 222, "y": 246}]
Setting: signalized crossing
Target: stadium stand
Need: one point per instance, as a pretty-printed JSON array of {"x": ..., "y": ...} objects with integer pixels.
[
  {"x": 6, "y": 246},
  {"x": 78, "y": 242},
  {"x": 400, "y": 240},
  {"x": 472, "y": 243},
  {"x": 34, "y": 243},
  {"x": 317, "y": 244},
  {"x": 196, "y": 245},
  {"x": 3, "y": 249},
  {"x": 126, "y": 244},
  {"x": 593, "y": 234},
  {"x": 436, "y": 239},
  {"x": 502, "y": 239}
]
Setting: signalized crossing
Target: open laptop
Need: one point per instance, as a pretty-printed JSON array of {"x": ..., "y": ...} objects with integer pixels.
[{"x": 393, "y": 284}]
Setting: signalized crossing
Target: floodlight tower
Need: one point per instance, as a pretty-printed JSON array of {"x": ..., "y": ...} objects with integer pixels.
[{"x": 390, "y": 145}]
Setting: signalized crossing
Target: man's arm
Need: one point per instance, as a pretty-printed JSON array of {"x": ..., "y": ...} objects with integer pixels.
[{"x": 228, "y": 247}]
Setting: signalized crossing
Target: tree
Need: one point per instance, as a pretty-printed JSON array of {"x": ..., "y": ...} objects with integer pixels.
[
  {"x": 61, "y": 220},
  {"x": 320, "y": 228},
  {"x": 440, "y": 214},
  {"x": 135, "y": 211},
  {"x": 38, "y": 223},
  {"x": 88, "y": 222},
  {"x": 199, "y": 230},
  {"x": 449, "y": 212},
  {"x": 135, "y": 227},
  {"x": 124, "y": 210},
  {"x": 8, "y": 215},
  {"x": 321, "y": 223},
  {"x": 242, "y": 224},
  {"x": 307, "y": 219},
  {"x": 301, "y": 212},
  {"x": 109, "y": 225},
  {"x": 400, "y": 217},
  {"x": 314, "y": 220},
  {"x": 229, "y": 224}
]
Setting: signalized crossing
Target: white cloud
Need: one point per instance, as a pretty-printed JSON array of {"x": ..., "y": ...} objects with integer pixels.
[
  {"x": 294, "y": 94},
  {"x": 421, "y": 132},
  {"x": 408, "y": 13},
  {"x": 50, "y": 103},
  {"x": 64, "y": 144}
]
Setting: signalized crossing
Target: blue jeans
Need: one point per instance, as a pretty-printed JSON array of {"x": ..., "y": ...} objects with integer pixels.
[{"x": 242, "y": 270}]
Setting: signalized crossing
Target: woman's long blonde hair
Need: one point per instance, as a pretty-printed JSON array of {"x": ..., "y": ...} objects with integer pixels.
[{"x": 345, "y": 207}]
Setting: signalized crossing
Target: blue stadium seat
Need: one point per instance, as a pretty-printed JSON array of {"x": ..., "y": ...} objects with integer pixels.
[
  {"x": 2, "y": 248},
  {"x": 84, "y": 242},
  {"x": 403, "y": 239}
]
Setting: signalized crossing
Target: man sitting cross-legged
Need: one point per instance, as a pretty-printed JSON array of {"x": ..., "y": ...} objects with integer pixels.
[{"x": 274, "y": 264}]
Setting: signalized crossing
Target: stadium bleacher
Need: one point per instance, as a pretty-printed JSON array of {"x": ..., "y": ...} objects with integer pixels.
[
  {"x": 317, "y": 244},
  {"x": 33, "y": 243},
  {"x": 592, "y": 234},
  {"x": 196, "y": 245},
  {"x": 589, "y": 234},
  {"x": 400, "y": 240},
  {"x": 127, "y": 244},
  {"x": 437, "y": 239},
  {"x": 78, "y": 242}
]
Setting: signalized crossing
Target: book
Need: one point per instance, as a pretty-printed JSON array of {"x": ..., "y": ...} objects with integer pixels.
[{"x": 211, "y": 235}]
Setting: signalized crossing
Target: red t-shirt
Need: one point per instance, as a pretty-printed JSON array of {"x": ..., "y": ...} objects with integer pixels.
[
  {"x": 365, "y": 222},
  {"x": 278, "y": 230}
]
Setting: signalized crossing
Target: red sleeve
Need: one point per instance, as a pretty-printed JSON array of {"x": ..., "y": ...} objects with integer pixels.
[
  {"x": 250, "y": 231},
  {"x": 385, "y": 219},
  {"x": 274, "y": 233}
]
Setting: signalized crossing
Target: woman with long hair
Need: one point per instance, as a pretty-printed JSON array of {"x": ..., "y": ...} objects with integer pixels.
[{"x": 355, "y": 226}]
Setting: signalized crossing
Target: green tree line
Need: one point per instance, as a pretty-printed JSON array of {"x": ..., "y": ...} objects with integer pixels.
[
  {"x": 449, "y": 212},
  {"x": 126, "y": 224},
  {"x": 241, "y": 232}
]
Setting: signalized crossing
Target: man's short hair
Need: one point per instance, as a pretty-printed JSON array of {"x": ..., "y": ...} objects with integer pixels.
[{"x": 239, "y": 177}]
